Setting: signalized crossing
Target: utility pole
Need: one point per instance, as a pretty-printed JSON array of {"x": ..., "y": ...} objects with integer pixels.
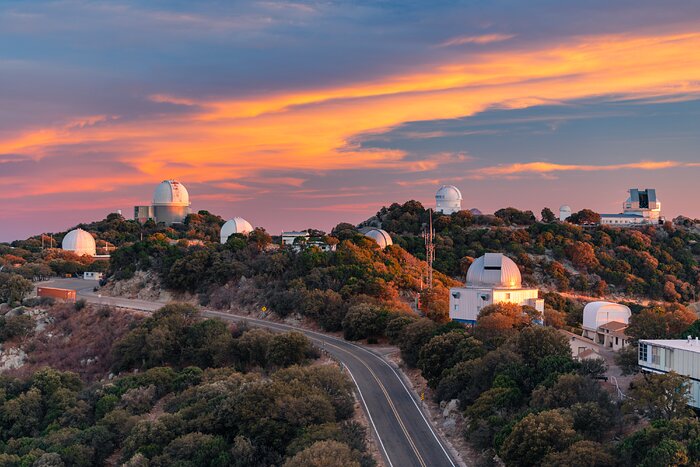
[{"x": 429, "y": 237}]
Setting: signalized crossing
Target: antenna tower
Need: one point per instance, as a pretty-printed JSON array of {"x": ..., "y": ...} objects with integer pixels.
[{"x": 429, "y": 236}]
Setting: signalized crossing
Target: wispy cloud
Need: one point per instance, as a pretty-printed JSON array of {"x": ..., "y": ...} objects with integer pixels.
[
  {"x": 482, "y": 39},
  {"x": 547, "y": 168}
]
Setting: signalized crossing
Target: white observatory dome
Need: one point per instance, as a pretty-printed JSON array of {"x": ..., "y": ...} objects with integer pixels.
[
  {"x": 237, "y": 225},
  {"x": 171, "y": 193},
  {"x": 380, "y": 236},
  {"x": 448, "y": 199},
  {"x": 79, "y": 242},
  {"x": 494, "y": 270},
  {"x": 564, "y": 212}
]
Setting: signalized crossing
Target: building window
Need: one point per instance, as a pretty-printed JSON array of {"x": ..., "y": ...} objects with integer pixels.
[
  {"x": 617, "y": 341},
  {"x": 643, "y": 349},
  {"x": 668, "y": 360},
  {"x": 655, "y": 356},
  {"x": 507, "y": 295}
]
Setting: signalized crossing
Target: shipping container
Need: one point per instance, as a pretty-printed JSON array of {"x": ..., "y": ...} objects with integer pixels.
[{"x": 61, "y": 294}]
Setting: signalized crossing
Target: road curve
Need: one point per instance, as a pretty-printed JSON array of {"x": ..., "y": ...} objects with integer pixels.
[{"x": 404, "y": 435}]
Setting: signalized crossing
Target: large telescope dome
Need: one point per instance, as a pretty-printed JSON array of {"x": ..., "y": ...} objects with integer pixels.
[
  {"x": 237, "y": 225},
  {"x": 448, "y": 199},
  {"x": 171, "y": 193},
  {"x": 79, "y": 242},
  {"x": 494, "y": 270}
]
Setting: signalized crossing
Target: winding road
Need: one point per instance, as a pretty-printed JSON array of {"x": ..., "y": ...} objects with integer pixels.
[{"x": 403, "y": 432}]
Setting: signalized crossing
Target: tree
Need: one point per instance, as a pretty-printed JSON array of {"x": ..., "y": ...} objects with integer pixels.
[
  {"x": 324, "y": 454},
  {"x": 584, "y": 216},
  {"x": 13, "y": 287},
  {"x": 414, "y": 336},
  {"x": 288, "y": 349},
  {"x": 364, "y": 321},
  {"x": 548, "y": 216},
  {"x": 627, "y": 359},
  {"x": 536, "y": 436},
  {"x": 581, "y": 454},
  {"x": 660, "y": 323},
  {"x": 582, "y": 255},
  {"x": 660, "y": 396},
  {"x": 444, "y": 351},
  {"x": 499, "y": 321}
]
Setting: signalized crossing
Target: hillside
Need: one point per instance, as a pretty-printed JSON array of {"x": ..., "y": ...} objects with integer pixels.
[
  {"x": 658, "y": 263},
  {"x": 97, "y": 386}
]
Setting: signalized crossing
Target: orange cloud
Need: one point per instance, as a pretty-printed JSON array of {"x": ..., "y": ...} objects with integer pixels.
[
  {"x": 317, "y": 130},
  {"x": 548, "y": 167}
]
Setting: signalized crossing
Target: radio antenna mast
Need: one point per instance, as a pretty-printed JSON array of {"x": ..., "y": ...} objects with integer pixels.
[{"x": 429, "y": 236}]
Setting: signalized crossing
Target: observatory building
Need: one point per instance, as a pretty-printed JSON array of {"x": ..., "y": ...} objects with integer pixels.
[
  {"x": 641, "y": 207},
  {"x": 564, "y": 212},
  {"x": 492, "y": 278},
  {"x": 237, "y": 225},
  {"x": 380, "y": 236},
  {"x": 171, "y": 204},
  {"x": 448, "y": 199},
  {"x": 605, "y": 324},
  {"x": 79, "y": 242}
]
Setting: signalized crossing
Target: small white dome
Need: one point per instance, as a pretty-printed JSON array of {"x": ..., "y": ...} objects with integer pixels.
[
  {"x": 596, "y": 314},
  {"x": 494, "y": 270},
  {"x": 171, "y": 193},
  {"x": 564, "y": 212},
  {"x": 380, "y": 236},
  {"x": 79, "y": 242},
  {"x": 448, "y": 193},
  {"x": 237, "y": 225}
]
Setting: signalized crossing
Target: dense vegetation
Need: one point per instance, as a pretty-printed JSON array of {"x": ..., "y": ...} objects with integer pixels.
[
  {"x": 354, "y": 288},
  {"x": 205, "y": 394},
  {"x": 526, "y": 399},
  {"x": 656, "y": 262}
]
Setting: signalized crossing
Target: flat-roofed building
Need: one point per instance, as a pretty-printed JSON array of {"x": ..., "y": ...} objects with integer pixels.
[
  {"x": 679, "y": 355},
  {"x": 640, "y": 207}
]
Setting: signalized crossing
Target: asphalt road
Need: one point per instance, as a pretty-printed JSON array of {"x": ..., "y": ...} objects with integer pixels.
[{"x": 404, "y": 434}]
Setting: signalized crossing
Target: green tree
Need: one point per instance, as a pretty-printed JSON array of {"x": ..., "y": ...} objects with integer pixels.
[
  {"x": 13, "y": 287},
  {"x": 444, "y": 351},
  {"x": 548, "y": 216},
  {"x": 287, "y": 349},
  {"x": 364, "y": 321},
  {"x": 536, "y": 436},
  {"x": 660, "y": 396},
  {"x": 324, "y": 454},
  {"x": 581, "y": 454}
]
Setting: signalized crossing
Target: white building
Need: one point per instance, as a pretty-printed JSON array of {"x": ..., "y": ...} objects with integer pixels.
[
  {"x": 641, "y": 207},
  {"x": 93, "y": 276},
  {"x": 448, "y": 199},
  {"x": 171, "y": 204},
  {"x": 79, "y": 242},
  {"x": 237, "y": 225},
  {"x": 564, "y": 212},
  {"x": 492, "y": 278},
  {"x": 380, "y": 236},
  {"x": 297, "y": 241},
  {"x": 605, "y": 322},
  {"x": 679, "y": 355},
  {"x": 294, "y": 238}
]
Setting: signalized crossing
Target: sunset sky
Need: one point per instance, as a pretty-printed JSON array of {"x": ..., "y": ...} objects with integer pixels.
[{"x": 306, "y": 114}]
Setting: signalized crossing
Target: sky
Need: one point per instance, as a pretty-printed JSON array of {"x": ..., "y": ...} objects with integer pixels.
[{"x": 307, "y": 114}]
